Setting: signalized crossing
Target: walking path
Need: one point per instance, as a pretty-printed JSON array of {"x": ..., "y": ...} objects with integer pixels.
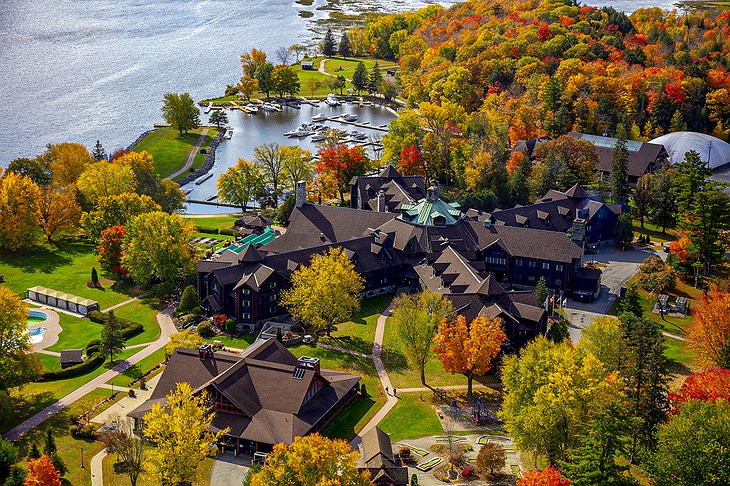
[
  {"x": 97, "y": 478},
  {"x": 52, "y": 326},
  {"x": 191, "y": 156},
  {"x": 49, "y": 353},
  {"x": 128, "y": 301},
  {"x": 166, "y": 329},
  {"x": 382, "y": 374}
]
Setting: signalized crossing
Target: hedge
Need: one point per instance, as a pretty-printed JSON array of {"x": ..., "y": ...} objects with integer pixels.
[
  {"x": 129, "y": 328},
  {"x": 203, "y": 229},
  {"x": 92, "y": 362},
  {"x": 229, "y": 232}
]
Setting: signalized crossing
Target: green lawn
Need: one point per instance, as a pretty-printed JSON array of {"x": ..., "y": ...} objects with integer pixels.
[
  {"x": 170, "y": 150},
  {"x": 111, "y": 479},
  {"x": 134, "y": 372},
  {"x": 240, "y": 342},
  {"x": 654, "y": 232},
  {"x": 358, "y": 412},
  {"x": 50, "y": 363},
  {"x": 34, "y": 397},
  {"x": 143, "y": 313},
  {"x": 69, "y": 448},
  {"x": 220, "y": 222},
  {"x": 413, "y": 417},
  {"x": 76, "y": 333},
  {"x": 358, "y": 334},
  {"x": 65, "y": 268},
  {"x": 403, "y": 376}
]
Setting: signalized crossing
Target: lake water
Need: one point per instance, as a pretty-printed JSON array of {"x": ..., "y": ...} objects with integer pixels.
[{"x": 97, "y": 69}]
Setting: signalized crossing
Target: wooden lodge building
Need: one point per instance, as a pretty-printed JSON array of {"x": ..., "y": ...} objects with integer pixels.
[
  {"x": 426, "y": 244},
  {"x": 265, "y": 395}
]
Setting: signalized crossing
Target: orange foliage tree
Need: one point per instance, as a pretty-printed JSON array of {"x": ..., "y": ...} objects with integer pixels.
[
  {"x": 41, "y": 472},
  {"x": 547, "y": 477},
  {"x": 708, "y": 335},
  {"x": 110, "y": 250},
  {"x": 343, "y": 164},
  {"x": 57, "y": 211},
  {"x": 411, "y": 161},
  {"x": 708, "y": 385},
  {"x": 469, "y": 348},
  {"x": 515, "y": 160}
]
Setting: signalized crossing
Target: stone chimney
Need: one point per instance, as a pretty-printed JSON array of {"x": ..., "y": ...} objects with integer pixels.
[
  {"x": 432, "y": 193},
  {"x": 301, "y": 193},
  {"x": 381, "y": 202},
  {"x": 578, "y": 231}
]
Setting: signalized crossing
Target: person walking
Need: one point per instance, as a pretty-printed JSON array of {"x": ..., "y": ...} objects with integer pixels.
[
  {"x": 394, "y": 393},
  {"x": 386, "y": 391}
]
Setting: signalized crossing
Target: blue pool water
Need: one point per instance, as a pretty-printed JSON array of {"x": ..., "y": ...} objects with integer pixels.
[{"x": 37, "y": 332}]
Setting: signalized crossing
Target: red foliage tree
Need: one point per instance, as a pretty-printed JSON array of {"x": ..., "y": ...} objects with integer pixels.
[
  {"x": 708, "y": 385},
  {"x": 41, "y": 472},
  {"x": 411, "y": 161},
  {"x": 547, "y": 477},
  {"x": 343, "y": 163},
  {"x": 110, "y": 250},
  {"x": 543, "y": 32}
]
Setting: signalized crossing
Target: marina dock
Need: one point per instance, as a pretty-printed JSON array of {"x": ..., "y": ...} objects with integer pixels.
[{"x": 338, "y": 119}]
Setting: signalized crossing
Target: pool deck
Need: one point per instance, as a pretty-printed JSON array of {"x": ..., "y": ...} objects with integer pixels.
[{"x": 52, "y": 325}]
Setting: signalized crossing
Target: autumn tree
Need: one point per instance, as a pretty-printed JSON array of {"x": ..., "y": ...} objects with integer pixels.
[
  {"x": 311, "y": 460},
  {"x": 180, "y": 111},
  {"x": 296, "y": 165},
  {"x": 285, "y": 80},
  {"x": 57, "y": 211},
  {"x": 709, "y": 385},
  {"x": 469, "y": 348},
  {"x": 547, "y": 477},
  {"x": 180, "y": 431},
  {"x": 269, "y": 158},
  {"x": 416, "y": 318},
  {"x": 41, "y": 472},
  {"x": 116, "y": 211},
  {"x": 169, "y": 196},
  {"x": 184, "y": 339},
  {"x": 18, "y": 215},
  {"x": 643, "y": 197},
  {"x": 240, "y": 183},
  {"x": 491, "y": 456},
  {"x": 157, "y": 247},
  {"x": 692, "y": 447},
  {"x": 129, "y": 448},
  {"x": 709, "y": 334},
  {"x": 568, "y": 161},
  {"x": 251, "y": 61},
  {"x": 110, "y": 249},
  {"x": 67, "y": 162},
  {"x": 218, "y": 117},
  {"x": 602, "y": 339},
  {"x": 247, "y": 86},
  {"x": 548, "y": 390},
  {"x": 325, "y": 292},
  {"x": 104, "y": 179},
  {"x": 411, "y": 161},
  {"x": 17, "y": 364},
  {"x": 343, "y": 164}
]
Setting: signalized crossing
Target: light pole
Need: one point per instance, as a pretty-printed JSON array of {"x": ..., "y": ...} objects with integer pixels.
[{"x": 82, "y": 457}]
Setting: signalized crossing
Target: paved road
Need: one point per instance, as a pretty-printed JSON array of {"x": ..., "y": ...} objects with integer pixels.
[
  {"x": 166, "y": 329},
  {"x": 191, "y": 156},
  {"x": 620, "y": 266}
]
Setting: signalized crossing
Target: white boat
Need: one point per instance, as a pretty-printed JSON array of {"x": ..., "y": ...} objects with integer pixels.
[
  {"x": 268, "y": 107},
  {"x": 332, "y": 100},
  {"x": 229, "y": 134},
  {"x": 317, "y": 138},
  {"x": 207, "y": 108},
  {"x": 203, "y": 178},
  {"x": 359, "y": 135},
  {"x": 252, "y": 108},
  {"x": 319, "y": 117},
  {"x": 348, "y": 117},
  {"x": 298, "y": 132}
]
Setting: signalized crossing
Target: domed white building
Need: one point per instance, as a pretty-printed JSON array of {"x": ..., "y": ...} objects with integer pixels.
[{"x": 711, "y": 149}]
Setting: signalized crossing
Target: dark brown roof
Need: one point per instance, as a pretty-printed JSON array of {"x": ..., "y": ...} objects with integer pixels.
[
  {"x": 398, "y": 189},
  {"x": 647, "y": 158},
  {"x": 72, "y": 356},
  {"x": 376, "y": 455},
  {"x": 260, "y": 383}
]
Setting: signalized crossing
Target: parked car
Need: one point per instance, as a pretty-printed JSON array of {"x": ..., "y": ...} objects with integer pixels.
[{"x": 308, "y": 339}]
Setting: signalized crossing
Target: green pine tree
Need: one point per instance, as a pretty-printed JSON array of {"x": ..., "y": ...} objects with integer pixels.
[
  {"x": 663, "y": 205},
  {"x": 94, "y": 276},
  {"x": 345, "y": 50},
  {"x": 360, "y": 77},
  {"x": 279, "y": 337},
  {"x": 98, "y": 153},
  {"x": 329, "y": 47},
  {"x": 49, "y": 443},
  {"x": 690, "y": 176},
  {"x": 34, "y": 452},
  {"x": 375, "y": 78},
  {"x": 58, "y": 463},
  {"x": 112, "y": 340},
  {"x": 631, "y": 302},
  {"x": 620, "y": 172},
  {"x": 623, "y": 231},
  {"x": 541, "y": 291},
  {"x": 706, "y": 225}
]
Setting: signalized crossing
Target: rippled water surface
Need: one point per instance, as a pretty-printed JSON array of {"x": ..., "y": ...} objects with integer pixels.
[{"x": 74, "y": 70}]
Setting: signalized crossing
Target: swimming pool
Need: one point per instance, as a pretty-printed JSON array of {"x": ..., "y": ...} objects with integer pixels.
[
  {"x": 34, "y": 317},
  {"x": 36, "y": 333}
]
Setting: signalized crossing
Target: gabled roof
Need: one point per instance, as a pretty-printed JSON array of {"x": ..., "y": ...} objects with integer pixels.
[
  {"x": 376, "y": 455},
  {"x": 389, "y": 172},
  {"x": 643, "y": 156},
  {"x": 576, "y": 192},
  {"x": 426, "y": 212}
]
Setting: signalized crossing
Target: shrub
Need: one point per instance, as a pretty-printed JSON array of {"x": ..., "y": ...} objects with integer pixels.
[
  {"x": 404, "y": 451},
  {"x": 189, "y": 299},
  {"x": 92, "y": 362},
  {"x": 8, "y": 457},
  {"x": 364, "y": 392},
  {"x": 220, "y": 320},
  {"x": 438, "y": 448},
  {"x": 17, "y": 475},
  {"x": 231, "y": 325},
  {"x": 467, "y": 471},
  {"x": 58, "y": 464},
  {"x": 204, "y": 329},
  {"x": 85, "y": 432},
  {"x": 210, "y": 231},
  {"x": 414, "y": 480},
  {"x": 94, "y": 277},
  {"x": 656, "y": 276},
  {"x": 228, "y": 232}
]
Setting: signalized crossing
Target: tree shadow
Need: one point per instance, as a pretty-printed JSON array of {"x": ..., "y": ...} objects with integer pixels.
[
  {"x": 343, "y": 425},
  {"x": 349, "y": 342},
  {"x": 25, "y": 406},
  {"x": 393, "y": 360},
  {"x": 45, "y": 259}
]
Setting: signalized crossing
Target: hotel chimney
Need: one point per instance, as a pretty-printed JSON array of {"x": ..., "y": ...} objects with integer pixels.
[{"x": 301, "y": 193}]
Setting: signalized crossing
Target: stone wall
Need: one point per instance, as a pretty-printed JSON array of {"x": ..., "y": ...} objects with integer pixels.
[
  {"x": 207, "y": 164},
  {"x": 139, "y": 139}
]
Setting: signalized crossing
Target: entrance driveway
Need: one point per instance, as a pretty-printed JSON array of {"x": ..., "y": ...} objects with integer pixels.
[{"x": 229, "y": 470}]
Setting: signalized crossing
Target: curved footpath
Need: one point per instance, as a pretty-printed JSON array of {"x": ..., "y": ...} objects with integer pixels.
[{"x": 167, "y": 328}]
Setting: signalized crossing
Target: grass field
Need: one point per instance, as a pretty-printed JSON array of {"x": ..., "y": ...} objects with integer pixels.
[
  {"x": 144, "y": 313},
  {"x": 358, "y": 334},
  {"x": 412, "y": 417},
  {"x": 76, "y": 333},
  {"x": 65, "y": 268},
  {"x": 654, "y": 232},
  {"x": 170, "y": 150},
  {"x": 134, "y": 372},
  {"x": 220, "y": 222},
  {"x": 111, "y": 479}
]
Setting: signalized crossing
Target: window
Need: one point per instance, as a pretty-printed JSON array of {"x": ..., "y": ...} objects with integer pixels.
[
  {"x": 532, "y": 264},
  {"x": 272, "y": 298},
  {"x": 246, "y": 303},
  {"x": 531, "y": 278},
  {"x": 246, "y": 291},
  {"x": 273, "y": 285},
  {"x": 496, "y": 261},
  {"x": 518, "y": 262},
  {"x": 559, "y": 267},
  {"x": 545, "y": 265},
  {"x": 558, "y": 282},
  {"x": 246, "y": 315}
]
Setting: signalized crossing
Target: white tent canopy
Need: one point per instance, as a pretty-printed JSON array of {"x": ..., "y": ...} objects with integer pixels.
[{"x": 712, "y": 150}]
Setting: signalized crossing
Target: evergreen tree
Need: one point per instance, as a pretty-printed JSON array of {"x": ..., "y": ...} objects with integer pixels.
[
  {"x": 375, "y": 78},
  {"x": 189, "y": 299},
  {"x": 94, "y": 276},
  {"x": 58, "y": 463},
  {"x": 541, "y": 291},
  {"x": 644, "y": 370},
  {"x": 360, "y": 77},
  {"x": 677, "y": 124},
  {"x": 519, "y": 184},
  {"x": 34, "y": 452},
  {"x": 98, "y": 153},
  {"x": 620, "y": 172},
  {"x": 643, "y": 197},
  {"x": 279, "y": 337},
  {"x": 663, "y": 207},
  {"x": 218, "y": 117},
  {"x": 17, "y": 475},
  {"x": 329, "y": 47},
  {"x": 706, "y": 224},
  {"x": 623, "y": 231},
  {"x": 689, "y": 179},
  {"x": 112, "y": 340},
  {"x": 8, "y": 456},
  {"x": 631, "y": 302},
  {"x": 345, "y": 50},
  {"x": 49, "y": 443}
]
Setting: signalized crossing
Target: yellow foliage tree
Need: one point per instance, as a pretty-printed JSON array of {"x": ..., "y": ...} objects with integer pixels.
[
  {"x": 709, "y": 335},
  {"x": 17, "y": 364},
  {"x": 104, "y": 179},
  {"x": 68, "y": 161},
  {"x": 326, "y": 291},
  {"x": 312, "y": 460},
  {"x": 18, "y": 220},
  {"x": 57, "y": 211},
  {"x": 469, "y": 348},
  {"x": 183, "y": 339},
  {"x": 181, "y": 434}
]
